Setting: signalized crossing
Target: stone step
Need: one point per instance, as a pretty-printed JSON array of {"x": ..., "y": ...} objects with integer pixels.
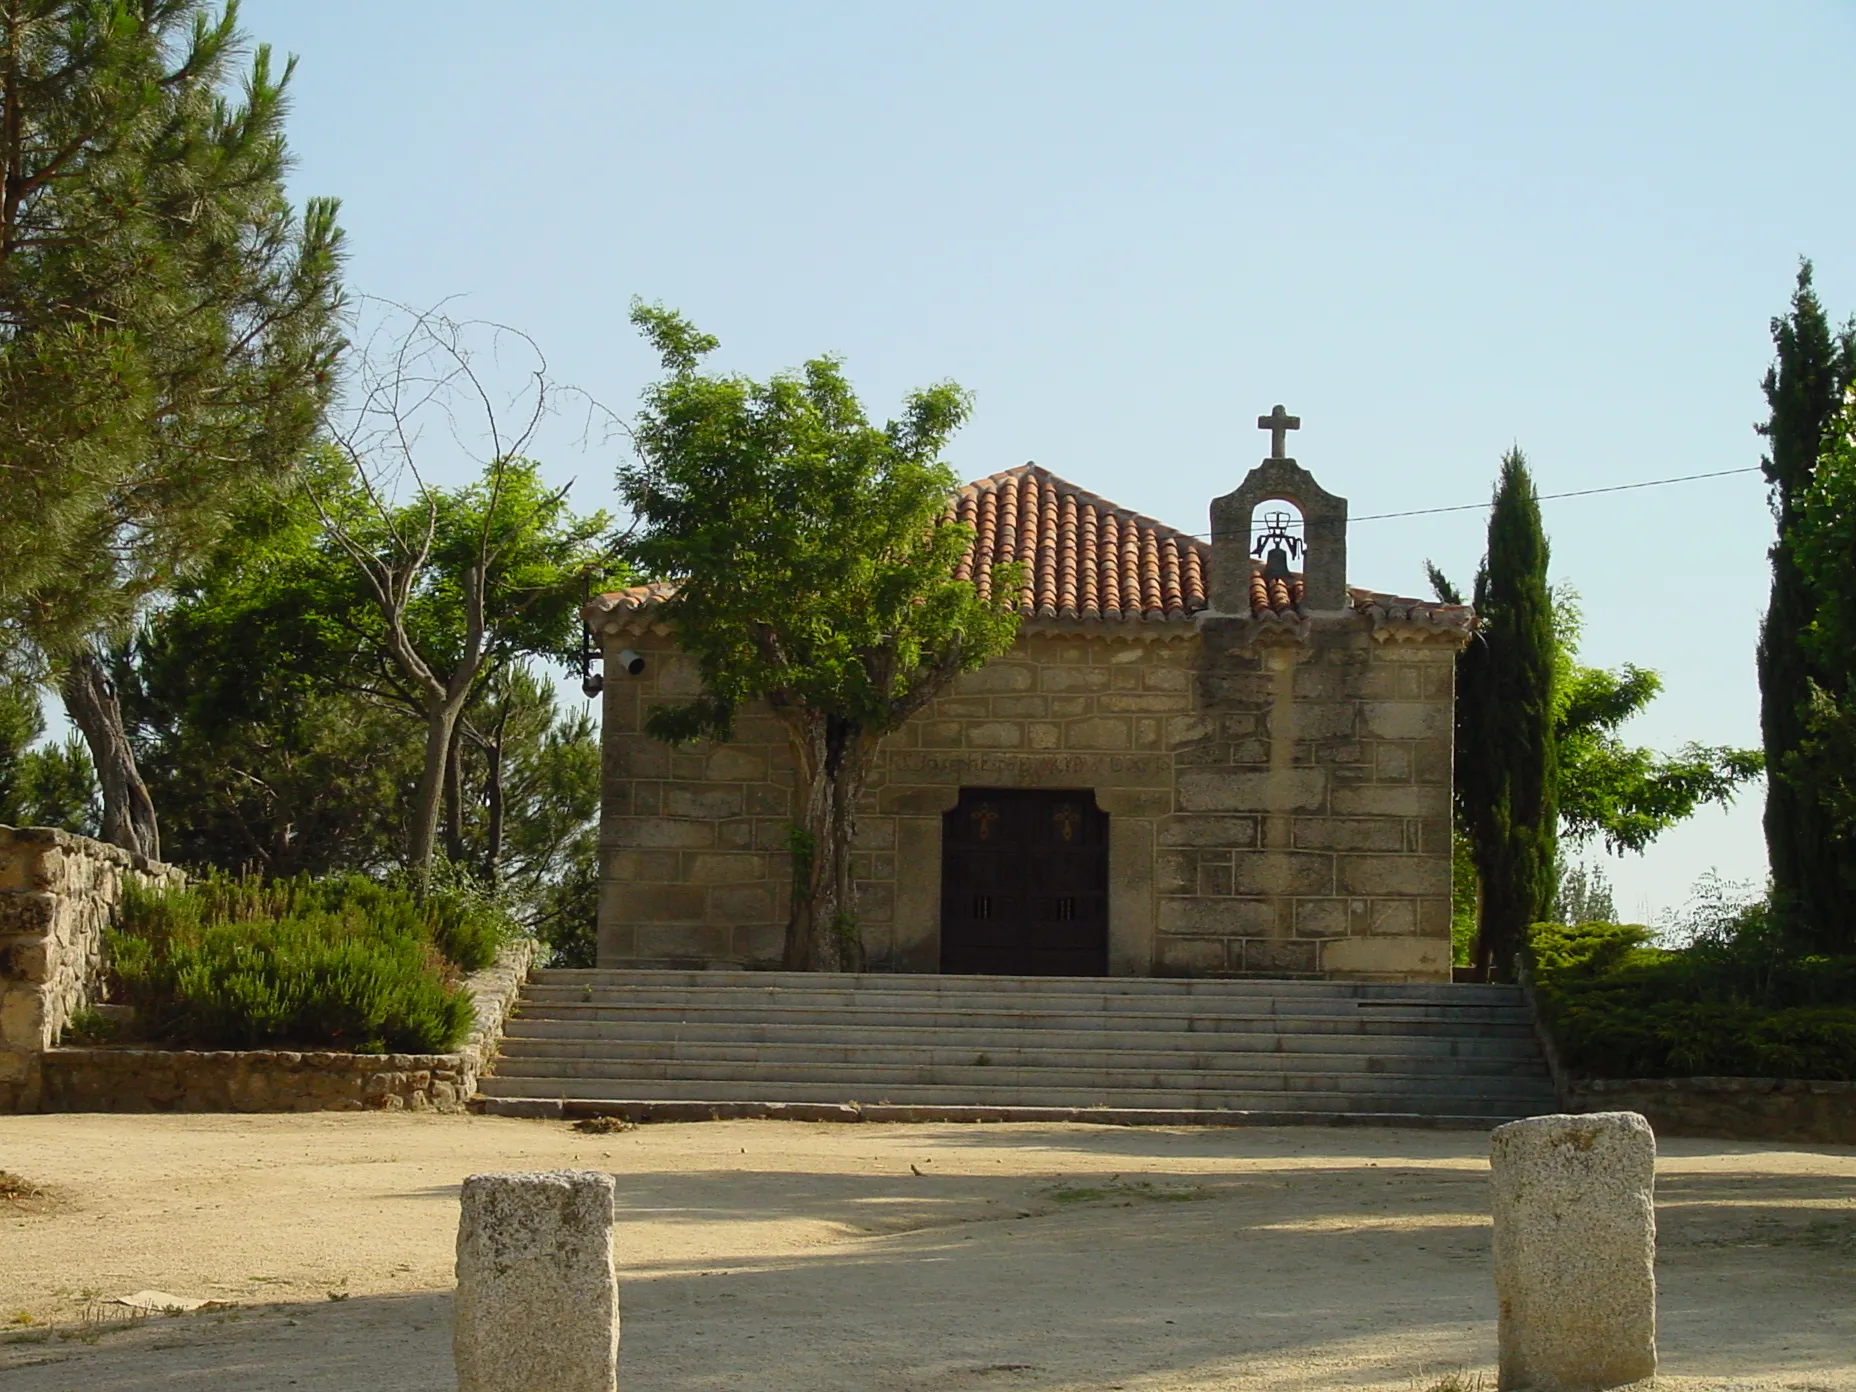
[
  {"x": 526, "y": 1033},
  {"x": 923, "y": 983},
  {"x": 826, "y": 1041},
  {"x": 878, "y": 1075},
  {"x": 728, "y": 1009},
  {"x": 950, "y": 1052},
  {"x": 970, "y": 1094},
  {"x": 672, "y": 1110},
  {"x": 1069, "y": 1001}
]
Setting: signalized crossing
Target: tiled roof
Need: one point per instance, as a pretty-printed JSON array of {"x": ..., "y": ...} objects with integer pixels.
[
  {"x": 1087, "y": 560},
  {"x": 628, "y": 606},
  {"x": 1397, "y": 616},
  {"x": 1084, "y": 558}
]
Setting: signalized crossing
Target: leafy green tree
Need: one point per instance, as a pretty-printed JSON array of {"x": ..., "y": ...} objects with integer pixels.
[
  {"x": 814, "y": 572},
  {"x": 447, "y": 591},
  {"x": 302, "y": 761},
  {"x": 1505, "y": 790},
  {"x": 40, "y": 786},
  {"x": 440, "y": 592},
  {"x": 534, "y": 772},
  {"x": 255, "y": 767},
  {"x": 1805, "y": 644},
  {"x": 1625, "y": 795},
  {"x": 168, "y": 326},
  {"x": 260, "y": 757}
]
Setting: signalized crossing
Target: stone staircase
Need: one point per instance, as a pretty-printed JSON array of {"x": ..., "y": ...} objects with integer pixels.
[{"x": 671, "y": 1045}]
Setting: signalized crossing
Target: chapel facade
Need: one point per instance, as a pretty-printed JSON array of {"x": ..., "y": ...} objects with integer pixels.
[{"x": 1195, "y": 761}]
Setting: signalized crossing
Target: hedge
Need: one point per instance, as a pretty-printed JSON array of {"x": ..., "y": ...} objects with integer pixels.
[
  {"x": 345, "y": 963},
  {"x": 1736, "y": 1005}
]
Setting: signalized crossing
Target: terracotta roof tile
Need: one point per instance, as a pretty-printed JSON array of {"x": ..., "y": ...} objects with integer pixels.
[
  {"x": 1088, "y": 560},
  {"x": 1084, "y": 557},
  {"x": 625, "y": 608}
]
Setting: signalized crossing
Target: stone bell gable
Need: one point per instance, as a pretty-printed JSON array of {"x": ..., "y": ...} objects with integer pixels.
[{"x": 1194, "y": 761}]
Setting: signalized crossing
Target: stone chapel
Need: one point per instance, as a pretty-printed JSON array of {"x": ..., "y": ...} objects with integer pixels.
[{"x": 1197, "y": 760}]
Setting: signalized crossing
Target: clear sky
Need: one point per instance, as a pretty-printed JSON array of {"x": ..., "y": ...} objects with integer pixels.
[{"x": 1431, "y": 230}]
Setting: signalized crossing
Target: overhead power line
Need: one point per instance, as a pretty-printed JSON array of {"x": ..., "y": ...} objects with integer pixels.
[
  {"x": 1544, "y": 497},
  {"x": 1576, "y": 493}
]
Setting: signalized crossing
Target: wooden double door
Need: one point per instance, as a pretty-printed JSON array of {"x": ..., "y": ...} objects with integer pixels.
[{"x": 1024, "y": 884}]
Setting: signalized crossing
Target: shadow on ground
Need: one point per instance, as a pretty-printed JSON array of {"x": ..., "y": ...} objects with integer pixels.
[{"x": 1369, "y": 1274}]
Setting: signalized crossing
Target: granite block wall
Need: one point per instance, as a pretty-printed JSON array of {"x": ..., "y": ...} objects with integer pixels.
[
  {"x": 57, "y": 895},
  {"x": 1279, "y": 801},
  {"x": 1311, "y": 830}
]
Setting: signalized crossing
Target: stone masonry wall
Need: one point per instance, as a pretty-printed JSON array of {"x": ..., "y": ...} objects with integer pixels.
[
  {"x": 694, "y": 840},
  {"x": 1311, "y": 834},
  {"x": 1086, "y": 709},
  {"x": 1277, "y": 797},
  {"x": 1275, "y": 807},
  {"x": 57, "y": 894}
]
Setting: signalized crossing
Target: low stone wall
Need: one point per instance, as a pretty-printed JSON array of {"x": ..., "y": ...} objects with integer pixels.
[
  {"x": 57, "y": 894},
  {"x": 1816, "y": 1112},
  {"x": 289, "y": 1080}
]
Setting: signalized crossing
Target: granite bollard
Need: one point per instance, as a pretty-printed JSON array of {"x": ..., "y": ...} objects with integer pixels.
[
  {"x": 1575, "y": 1251},
  {"x": 537, "y": 1305}
]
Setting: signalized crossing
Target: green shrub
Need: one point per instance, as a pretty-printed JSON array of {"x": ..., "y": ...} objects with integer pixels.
[
  {"x": 1733, "y": 1003},
  {"x": 342, "y": 963}
]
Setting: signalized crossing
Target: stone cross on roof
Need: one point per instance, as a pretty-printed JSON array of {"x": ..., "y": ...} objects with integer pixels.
[{"x": 1277, "y": 422}]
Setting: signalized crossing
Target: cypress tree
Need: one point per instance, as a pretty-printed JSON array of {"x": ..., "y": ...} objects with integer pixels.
[
  {"x": 1813, "y": 869},
  {"x": 1505, "y": 776}
]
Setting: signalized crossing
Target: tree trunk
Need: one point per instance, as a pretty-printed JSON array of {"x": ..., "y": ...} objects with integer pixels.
[
  {"x": 128, "y": 811},
  {"x": 454, "y": 794},
  {"x": 493, "y": 804},
  {"x": 822, "y": 932},
  {"x": 441, "y": 719}
]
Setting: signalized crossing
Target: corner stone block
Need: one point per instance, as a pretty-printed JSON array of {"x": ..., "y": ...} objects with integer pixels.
[
  {"x": 1288, "y": 790},
  {"x": 731, "y": 765},
  {"x": 1575, "y": 1251},
  {"x": 1209, "y": 831},
  {"x": 24, "y": 1021},
  {"x": 1191, "y": 956},
  {"x": 995, "y": 734},
  {"x": 708, "y": 803},
  {"x": 1395, "y": 800},
  {"x": 537, "y": 1303},
  {"x": 1407, "y": 720},
  {"x": 998, "y": 678},
  {"x": 34, "y": 914},
  {"x": 1216, "y": 917},
  {"x": 1097, "y": 732},
  {"x": 1280, "y": 872},
  {"x": 1402, "y": 958},
  {"x": 664, "y": 903},
  {"x": 648, "y": 833},
  {"x": 1394, "y": 874}
]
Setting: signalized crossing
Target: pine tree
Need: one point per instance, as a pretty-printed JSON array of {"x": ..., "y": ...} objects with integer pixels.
[
  {"x": 1505, "y": 701},
  {"x": 1813, "y": 870},
  {"x": 168, "y": 326}
]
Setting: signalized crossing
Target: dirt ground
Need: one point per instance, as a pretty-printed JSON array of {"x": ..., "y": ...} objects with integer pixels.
[{"x": 773, "y": 1255}]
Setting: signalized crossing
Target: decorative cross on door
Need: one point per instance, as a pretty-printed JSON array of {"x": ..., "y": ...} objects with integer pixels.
[
  {"x": 983, "y": 817},
  {"x": 1068, "y": 819}
]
